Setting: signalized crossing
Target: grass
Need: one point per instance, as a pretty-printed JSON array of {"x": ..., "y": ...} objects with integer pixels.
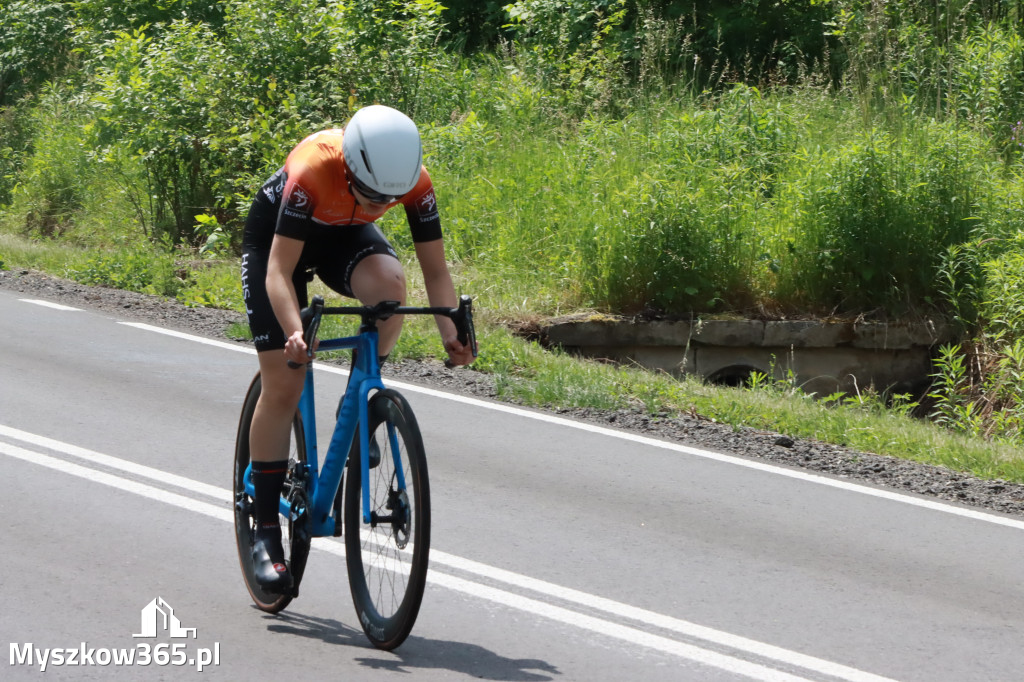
[
  {"x": 527, "y": 374},
  {"x": 791, "y": 202},
  {"x": 732, "y": 202},
  {"x": 53, "y": 257}
]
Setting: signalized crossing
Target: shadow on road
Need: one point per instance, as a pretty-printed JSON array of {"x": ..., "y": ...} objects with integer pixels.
[{"x": 417, "y": 653}]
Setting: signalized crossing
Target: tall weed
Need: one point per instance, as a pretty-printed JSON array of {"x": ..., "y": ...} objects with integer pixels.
[
  {"x": 573, "y": 49},
  {"x": 978, "y": 390},
  {"x": 988, "y": 83},
  {"x": 52, "y": 181},
  {"x": 692, "y": 196},
  {"x": 979, "y": 384},
  {"x": 877, "y": 214},
  {"x": 389, "y": 52}
]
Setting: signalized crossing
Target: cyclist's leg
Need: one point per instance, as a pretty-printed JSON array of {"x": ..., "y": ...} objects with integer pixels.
[
  {"x": 271, "y": 428},
  {"x": 269, "y": 441},
  {"x": 365, "y": 266},
  {"x": 282, "y": 385},
  {"x": 271, "y": 423},
  {"x": 381, "y": 278},
  {"x": 244, "y": 512}
]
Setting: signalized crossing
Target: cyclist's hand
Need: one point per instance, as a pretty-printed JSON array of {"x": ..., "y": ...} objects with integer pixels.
[
  {"x": 458, "y": 354},
  {"x": 295, "y": 348}
]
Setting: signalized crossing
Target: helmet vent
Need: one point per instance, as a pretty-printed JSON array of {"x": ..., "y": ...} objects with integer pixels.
[{"x": 366, "y": 162}]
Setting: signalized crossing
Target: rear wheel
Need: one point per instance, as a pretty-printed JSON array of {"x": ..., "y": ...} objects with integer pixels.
[
  {"x": 295, "y": 535},
  {"x": 387, "y": 559}
]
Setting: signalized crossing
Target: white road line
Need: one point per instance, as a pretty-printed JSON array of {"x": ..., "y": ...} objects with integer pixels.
[
  {"x": 902, "y": 498},
  {"x": 222, "y": 512},
  {"x": 658, "y": 620},
  {"x": 117, "y": 463},
  {"x": 48, "y": 304},
  {"x": 191, "y": 337},
  {"x": 626, "y": 633},
  {"x": 601, "y": 626}
]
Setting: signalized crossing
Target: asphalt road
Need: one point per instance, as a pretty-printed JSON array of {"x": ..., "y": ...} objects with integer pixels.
[{"x": 560, "y": 551}]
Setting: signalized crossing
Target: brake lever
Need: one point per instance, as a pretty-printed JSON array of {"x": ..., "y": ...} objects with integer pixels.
[
  {"x": 311, "y": 317},
  {"x": 465, "y": 330}
]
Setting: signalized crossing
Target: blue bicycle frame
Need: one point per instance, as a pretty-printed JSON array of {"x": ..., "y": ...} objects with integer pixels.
[{"x": 323, "y": 484}]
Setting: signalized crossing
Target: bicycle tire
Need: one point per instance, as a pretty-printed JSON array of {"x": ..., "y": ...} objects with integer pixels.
[
  {"x": 296, "y": 552},
  {"x": 387, "y": 562}
]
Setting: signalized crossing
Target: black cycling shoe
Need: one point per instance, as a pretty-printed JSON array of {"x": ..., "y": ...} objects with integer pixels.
[{"x": 272, "y": 576}]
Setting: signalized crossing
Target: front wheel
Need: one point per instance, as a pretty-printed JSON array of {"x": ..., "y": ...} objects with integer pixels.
[
  {"x": 387, "y": 559},
  {"x": 295, "y": 540}
]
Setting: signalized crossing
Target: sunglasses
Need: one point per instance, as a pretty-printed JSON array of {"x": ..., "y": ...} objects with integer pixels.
[{"x": 371, "y": 195}]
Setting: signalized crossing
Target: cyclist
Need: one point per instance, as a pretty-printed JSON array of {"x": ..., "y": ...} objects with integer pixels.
[{"x": 317, "y": 213}]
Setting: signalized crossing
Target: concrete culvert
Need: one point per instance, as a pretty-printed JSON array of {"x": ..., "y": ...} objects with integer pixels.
[{"x": 732, "y": 375}]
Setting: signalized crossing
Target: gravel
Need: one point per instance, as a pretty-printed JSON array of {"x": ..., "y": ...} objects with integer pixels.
[{"x": 692, "y": 430}]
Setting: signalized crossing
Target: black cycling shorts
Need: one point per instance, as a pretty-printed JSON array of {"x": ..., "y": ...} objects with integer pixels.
[{"x": 332, "y": 252}]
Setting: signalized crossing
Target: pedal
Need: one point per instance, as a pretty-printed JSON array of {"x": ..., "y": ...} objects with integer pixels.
[{"x": 244, "y": 504}]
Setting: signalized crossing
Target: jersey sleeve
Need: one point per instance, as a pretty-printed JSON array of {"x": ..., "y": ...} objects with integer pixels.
[
  {"x": 295, "y": 217},
  {"x": 421, "y": 210}
]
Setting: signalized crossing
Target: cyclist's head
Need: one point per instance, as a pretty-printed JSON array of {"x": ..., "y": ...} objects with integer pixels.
[{"x": 383, "y": 152}]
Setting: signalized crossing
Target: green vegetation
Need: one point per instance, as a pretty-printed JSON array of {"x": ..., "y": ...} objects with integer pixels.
[{"x": 789, "y": 158}]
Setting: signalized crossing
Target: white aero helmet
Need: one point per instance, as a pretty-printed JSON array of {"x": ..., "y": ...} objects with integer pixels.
[{"x": 383, "y": 151}]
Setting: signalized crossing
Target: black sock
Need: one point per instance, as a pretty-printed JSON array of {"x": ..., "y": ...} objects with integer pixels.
[{"x": 267, "y": 481}]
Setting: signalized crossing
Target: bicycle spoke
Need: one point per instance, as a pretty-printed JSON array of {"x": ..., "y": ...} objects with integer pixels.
[{"x": 388, "y": 558}]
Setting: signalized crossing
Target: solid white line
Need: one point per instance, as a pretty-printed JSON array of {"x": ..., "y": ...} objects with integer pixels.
[
  {"x": 48, "y": 304},
  {"x": 439, "y": 558},
  {"x": 191, "y": 337},
  {"x": 606, "y": 628},
  {"x": 902, "y": 498},
  {"x": 222, "y": 513},
  {"x": 117, "y": 463},
  {"x": 655, "y": 619},
  {"x": 617, "y": 631}
]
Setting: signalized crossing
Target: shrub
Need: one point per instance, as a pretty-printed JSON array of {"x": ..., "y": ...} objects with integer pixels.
[
  {"x": 33, "y": 45},
  {"x": 133, "y": 269},
  {"x": 876, "y": 217},
  {"x": 156, "y": 96},
  {"x": 389, "y": 53},
  {"x": 213, "y": 286},
  {"x": 53, "y": 177},
  {"x": 988, "y": 82},
  {"x": 574, "y": 49},
  {"x": 691, "y": 197}
]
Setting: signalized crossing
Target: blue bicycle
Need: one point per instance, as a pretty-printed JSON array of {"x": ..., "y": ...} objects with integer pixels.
[{"x": 385, "y": 517}]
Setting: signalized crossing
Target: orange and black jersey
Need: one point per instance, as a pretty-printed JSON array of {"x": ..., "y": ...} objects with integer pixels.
[{"x": 312, "y": 194}]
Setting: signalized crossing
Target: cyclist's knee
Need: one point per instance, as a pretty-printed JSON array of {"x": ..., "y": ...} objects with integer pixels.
[
  {"x": 281, "y": 385},
  {"x": 280, "y": 399},
  {"x": 379, "y": 278}
]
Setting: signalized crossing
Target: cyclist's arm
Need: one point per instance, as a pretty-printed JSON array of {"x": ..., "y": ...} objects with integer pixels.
[
  {"x": 284, "y": 258},
  {"x": 441, "y": 292}
]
